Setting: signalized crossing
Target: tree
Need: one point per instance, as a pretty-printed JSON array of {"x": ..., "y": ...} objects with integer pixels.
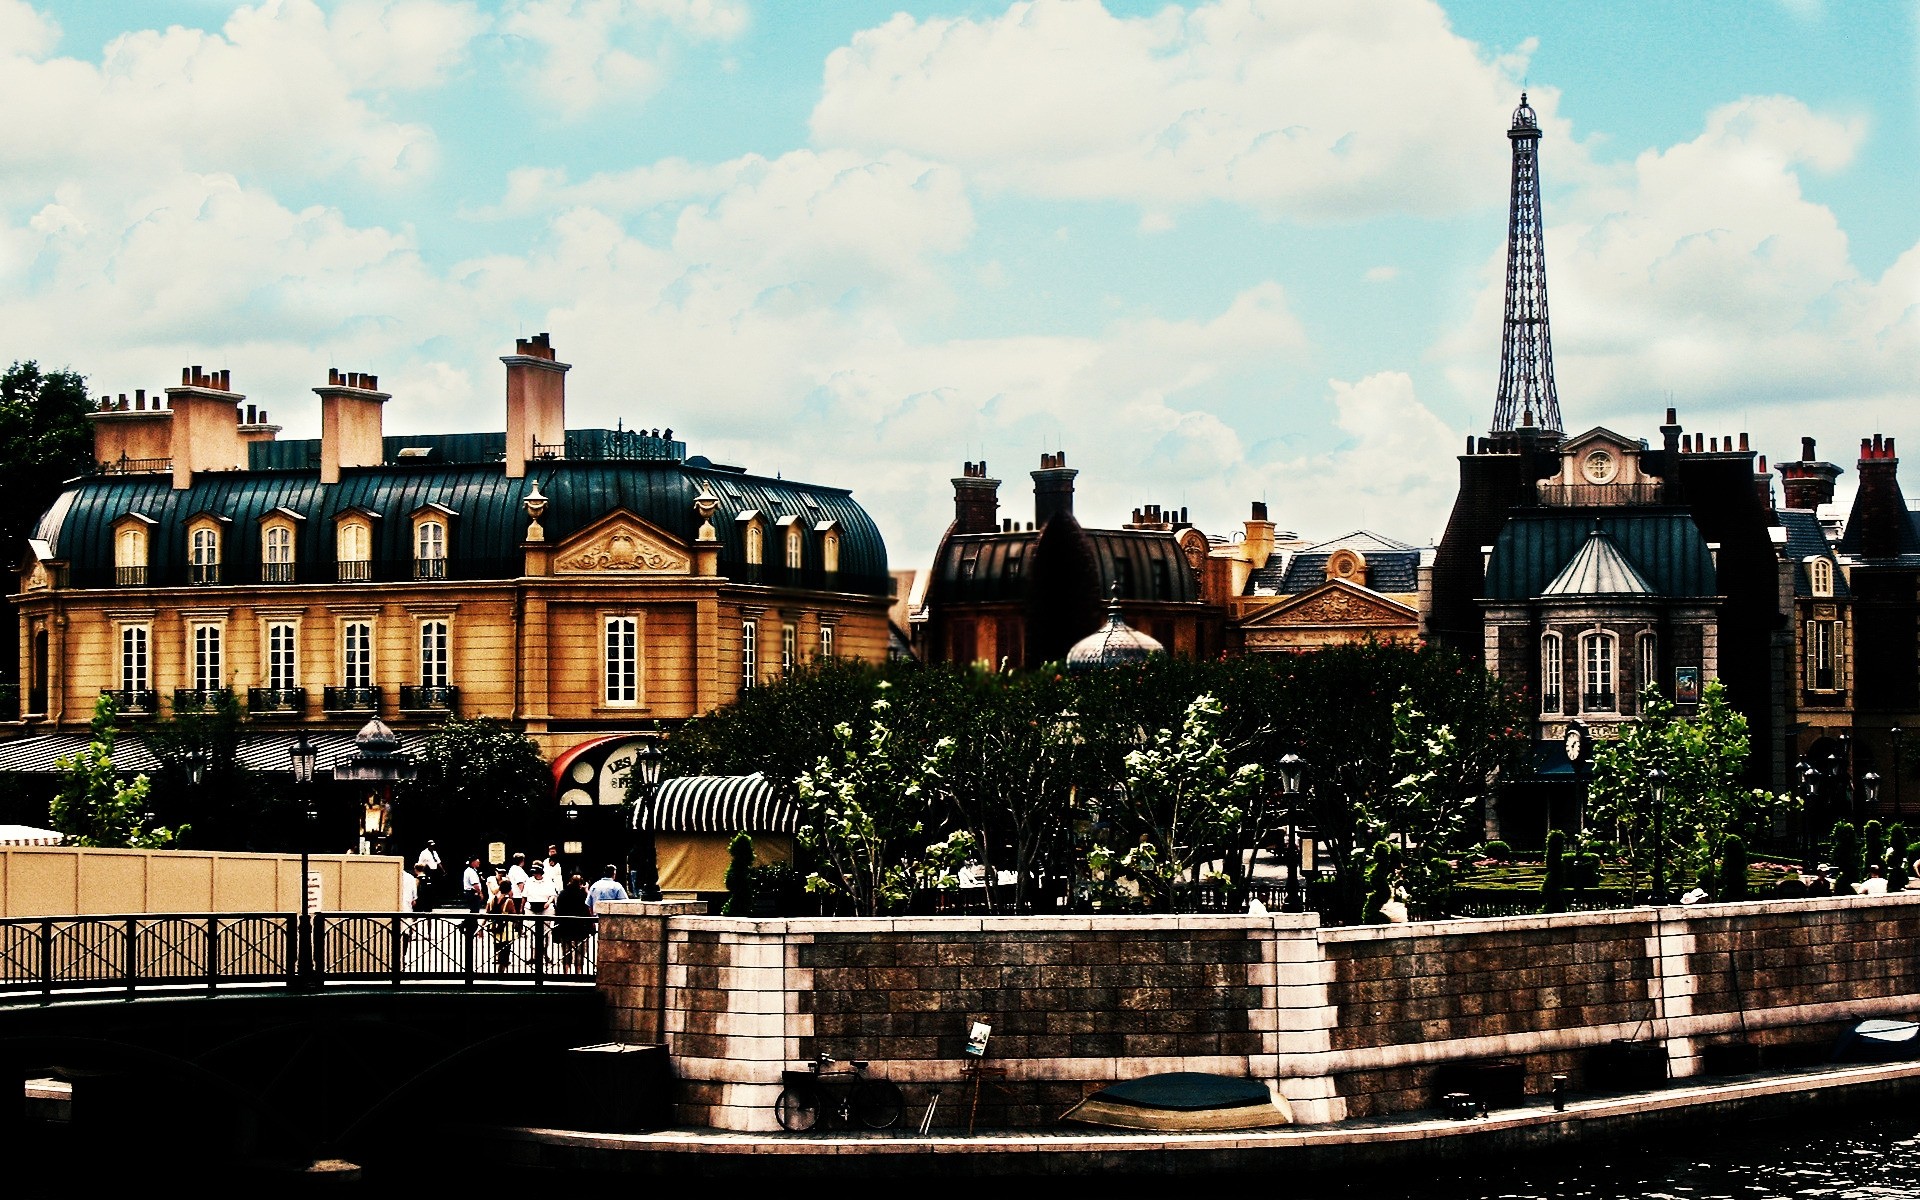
[
  {"x": 479, "y": 781},
  {"x": 45, "y": 440},
  {"x": 95, "y": 806},
  {"x": 202, "y": 786},
  {"x": 1704, "y": 804}
]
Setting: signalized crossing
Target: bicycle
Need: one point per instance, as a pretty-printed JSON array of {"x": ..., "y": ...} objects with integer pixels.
[{"x": 845, "y": 1098}]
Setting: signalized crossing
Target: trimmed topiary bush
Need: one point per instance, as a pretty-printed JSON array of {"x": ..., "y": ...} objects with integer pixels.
[
  {"x": 1498, "y": 850},
  {"x": 1553, "y": 888}
]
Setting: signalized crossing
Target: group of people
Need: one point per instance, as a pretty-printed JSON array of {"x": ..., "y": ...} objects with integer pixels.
[{"x": 539, "y": 888}]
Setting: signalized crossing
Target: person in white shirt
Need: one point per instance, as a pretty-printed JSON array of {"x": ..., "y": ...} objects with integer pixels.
[
  {"x": 1875, "y": 884},
  {"x": 539, "y": 892},
  {"x": 517, "y": 876},
  {"x": 410, "y": 891},
  {"x": 555, "y": 875}
]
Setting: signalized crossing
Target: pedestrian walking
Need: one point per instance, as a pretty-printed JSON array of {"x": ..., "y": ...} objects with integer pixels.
[
  {"x": 503, "y": 928},
  {"x": 574, "y": 926},
  {"x": 607, "y": 887}
]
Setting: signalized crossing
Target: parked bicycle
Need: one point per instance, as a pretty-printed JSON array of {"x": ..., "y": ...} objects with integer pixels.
[{"x": 842, "y": 1099}]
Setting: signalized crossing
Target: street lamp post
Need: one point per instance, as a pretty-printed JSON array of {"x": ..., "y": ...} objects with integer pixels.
[
  {"x": 1896, "y": 733},
  {"x": 1292, "y": 771},
  {"x": 1657, "y": 785},
  {"x": 1809, "y": 796},
  {"x": 304, "y": 757},
  {"x": 649, "y": 762}
]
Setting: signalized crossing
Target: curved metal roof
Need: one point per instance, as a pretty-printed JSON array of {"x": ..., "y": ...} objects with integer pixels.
[
  {"x": 1665, "y": 545},
  {"x": 1143, "y": 564},
  {"x": 484, "y": 535},
  {"x": 1600, "y": 569}
]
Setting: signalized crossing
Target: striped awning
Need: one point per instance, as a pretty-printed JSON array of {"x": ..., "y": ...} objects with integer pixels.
[
  {"x": 27, "y": 835},
  {"x": 717, "y": 804},
  {"x": 268, "y": 752}
]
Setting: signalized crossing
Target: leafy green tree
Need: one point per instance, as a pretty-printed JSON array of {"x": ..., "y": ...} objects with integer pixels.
[
  {"x": 201, "y": 785},
  {"x": 1379, "y": 882},
  {"x": 95, "y": 806},
  {"x": 866, "y": 805},
  {"x": 45, "y": 440},
  {"x": 479, "y": 781},
  {"x": 1702, "y": 756}
]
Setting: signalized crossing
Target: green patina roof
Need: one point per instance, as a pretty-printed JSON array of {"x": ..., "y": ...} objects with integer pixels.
[
  {"x": 1663, "y": 549},
  {"x": 1599, "y": 569},
  {"x": 484, "y": 537}
]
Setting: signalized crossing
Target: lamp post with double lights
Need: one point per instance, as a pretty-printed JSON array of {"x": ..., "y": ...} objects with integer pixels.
[
  {"x": 1896, "y": 733},
  {"x": 1657, "y": 788},
  {"x": 648, "y": 764},
  {"x": 1292, "y": 770},
  {"x": 304, "y": 757}
]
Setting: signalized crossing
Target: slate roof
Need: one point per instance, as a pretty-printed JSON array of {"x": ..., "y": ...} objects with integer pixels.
[
  {"x": 1392, "y": 566},
  {"x": 1599, "y": 569},
  {"x": 483, "y": 538},
  {"x": 1141, "y": 564},
  {"x": 1664, "y": 545},
  {"x": 1805, "y": 540}
]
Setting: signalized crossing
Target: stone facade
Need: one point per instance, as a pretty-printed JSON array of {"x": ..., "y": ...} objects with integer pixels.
[{"x": 1347, "y": 1022}]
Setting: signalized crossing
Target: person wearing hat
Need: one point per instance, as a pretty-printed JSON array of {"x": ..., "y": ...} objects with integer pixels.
[{"x": 540, "y": 892}]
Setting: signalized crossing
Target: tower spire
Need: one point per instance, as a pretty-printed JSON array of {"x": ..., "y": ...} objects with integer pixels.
[{"x": 1527, "y": 400}]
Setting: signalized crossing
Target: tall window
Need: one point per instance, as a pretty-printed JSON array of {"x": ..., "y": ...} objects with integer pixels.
[
  {"x": 789, "y": 648},
  {"x": 435, "y": 670},
  {"x": 352, "y": 550},
  {"x": 1550, "y": 665},
  {"x": 430, "y": 550},
  {"x": 754, "y": 551},
  {"x": 623, "y": 660},
  {"x": 203, "y": 557},
  {"x": 826, "y": 641},
  {"x": 130, "y": 557},
  {"x": 749, "y": 653},
  {"x": 1820, "y": 576},
  {"x": 135, "y": 660},
  {"x": 1599, "y": 673},
  {"x": 795, "y": 549},
  {"x": 1649, "y": 661},
  {"x": 1823, "y": 656},
  {"x": 283, "y": 656},
  {"x": 208, "y": 674},
  {"x": 276, "y": 555},
  {"x": 357, "y": 655}
]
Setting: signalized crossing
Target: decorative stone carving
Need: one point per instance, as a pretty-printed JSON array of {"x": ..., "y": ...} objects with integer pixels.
[{"x": 622, "y": 547}]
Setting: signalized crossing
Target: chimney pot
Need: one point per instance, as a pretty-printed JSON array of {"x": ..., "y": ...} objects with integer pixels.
[
  {"x": 1673, "y": 416},
  {"x": 1763, "y": 465},
  {"x": 1890, "y": 448},
  {"x": 1806, "y": 449},
  {"x": 1743, "y": 443}
]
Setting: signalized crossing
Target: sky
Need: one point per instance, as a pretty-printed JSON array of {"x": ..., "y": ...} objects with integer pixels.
[{"x": 1215, "y": 252}]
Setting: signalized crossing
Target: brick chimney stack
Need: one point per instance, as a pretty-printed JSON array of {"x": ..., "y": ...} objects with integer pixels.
[
  {"x": 1258, "y": 540},
  {"x": 1880, "y": 526},
  {"x": 350, "y": 419},
  {"x": 976, "y": 499},
  {"x": 1052, "y": 488},
  {"x": 205, "y": 425},
  {"x": 1808, "y": 483},
  {"x": 536, "y": 403}
]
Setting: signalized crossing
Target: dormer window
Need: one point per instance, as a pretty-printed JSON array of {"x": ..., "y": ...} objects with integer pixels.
[
  {"x": 131, "y": 540},
  {"x": 204, "y": 537},
  {"x": 353, "y": 545},
  {"x": 430, "y": 525},
  {"x": 794, "y": 541},
  {"x": 277, "y": 545},
  {"x": 830, "y": 550},
  {"x": 753, "y": 537},
  {"x": 1820, "y": 576}
]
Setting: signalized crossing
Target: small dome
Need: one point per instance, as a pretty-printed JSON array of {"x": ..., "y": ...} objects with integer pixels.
[
  {"x": 375, "y": 737},
  {"x": 1112, "y": 644}
]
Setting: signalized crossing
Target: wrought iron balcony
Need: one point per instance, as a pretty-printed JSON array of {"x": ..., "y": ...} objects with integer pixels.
[
  {"x": 130, "y": 576},
  {"x": 281, "y": 572},
  {"x": 351, "y": 699},
  {"x": 429, "y": 568},
  {"x": 356, "y": 572},
  {"x": 193, "y": 700},
  {"x": 423, "y": 698},
  {"x": 134, "y": 702},
  {"x": 1598, "y": 495},
  {"x": 277, "y": 702},
  {"x": 203, "y": 573},
  {"x": 1598, "y": 702}
]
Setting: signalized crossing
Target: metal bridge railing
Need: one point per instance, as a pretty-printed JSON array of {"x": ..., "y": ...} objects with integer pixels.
[{"x": 45, "y": 955}]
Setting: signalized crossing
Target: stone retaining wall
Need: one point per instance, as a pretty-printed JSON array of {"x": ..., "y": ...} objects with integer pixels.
[{"x": 1347, "y": 1022}]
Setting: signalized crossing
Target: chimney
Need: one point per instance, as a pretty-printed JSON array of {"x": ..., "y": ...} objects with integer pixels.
[
  {"x": 254, "y": 427},
  {"x": 536, "y": 403},
  {"x": 136, "y": 438},
  {"x": 1258, "y": 542},
  {"x": 976, "y": 499},
  {"x": 350, "y": 416},
  {"x": 205, "y": 425},
  {"x": 1880, "y": 526},
  {"x": 1763, "y": 483},
  {"x": 1807, "y": 484},
  {"x": 1052, "y": 488}
]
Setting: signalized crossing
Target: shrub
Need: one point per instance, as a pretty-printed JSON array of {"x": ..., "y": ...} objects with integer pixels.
[
  {"x": 1498, "y": 850},
  {"x": 1586, "y": 870},
  {"x": 1873, "y": 847},
  {"x": 1843, "y": 851}
]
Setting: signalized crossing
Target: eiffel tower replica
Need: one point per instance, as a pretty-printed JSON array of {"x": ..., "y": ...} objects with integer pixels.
[{"x": 1526, "y": 404}]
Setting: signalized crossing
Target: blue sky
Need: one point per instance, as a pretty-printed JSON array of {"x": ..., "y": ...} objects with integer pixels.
[{"x": 1218, "y": 252}]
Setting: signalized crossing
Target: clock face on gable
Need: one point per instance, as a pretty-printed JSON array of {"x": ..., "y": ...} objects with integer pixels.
[{"x": 1599, "y": 466}]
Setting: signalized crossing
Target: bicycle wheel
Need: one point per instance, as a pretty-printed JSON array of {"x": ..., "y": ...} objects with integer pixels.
[
  {"x": 797, "y": 1109},
  {"x": 879, "y": 1104}
]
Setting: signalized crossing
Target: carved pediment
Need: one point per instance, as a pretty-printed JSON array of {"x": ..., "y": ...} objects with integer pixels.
[
  {"x": 1334, "y": 603},
  {"x": 622, "y": 544}
]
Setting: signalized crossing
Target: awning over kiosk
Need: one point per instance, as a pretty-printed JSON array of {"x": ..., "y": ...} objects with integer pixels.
[{"x": 717, "y": 804}]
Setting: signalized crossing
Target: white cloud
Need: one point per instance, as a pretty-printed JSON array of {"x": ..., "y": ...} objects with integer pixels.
[
  {"x": 282, "y": 90},
  {"x": 589, "y": 53},
  {"x": 26, "y": 32},
  {"x": 1381, "y": 274},
  {"x": 1316, "y": 111}
]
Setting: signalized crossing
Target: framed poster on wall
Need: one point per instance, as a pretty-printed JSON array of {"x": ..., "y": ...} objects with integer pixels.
[{"x": 1686, "y": 685}]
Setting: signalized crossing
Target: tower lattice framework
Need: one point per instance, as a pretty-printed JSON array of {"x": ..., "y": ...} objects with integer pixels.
[{"x": 1526, "y": 400}]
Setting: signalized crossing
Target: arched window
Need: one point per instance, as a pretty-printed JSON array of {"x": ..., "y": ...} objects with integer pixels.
[
  {"x": 130, "y": 556},
  {"x": 830, "y": 553},
  {"x": 436, "y": 668},
  {"x": 203, "y": 555},
  {"x": 276, "y": 554},
  {"x": 1820, "y": 576},
  {"x": 1550, "y": 673},
  {"x": 352, "y": 550},
  {"x": 430, "y": 549},
  {"x": 1598, "y": 662},
  {"x": 1649, "y": 661},
  {"x": 796, "y": 548},
  {"x": 755, "y": 548}
]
